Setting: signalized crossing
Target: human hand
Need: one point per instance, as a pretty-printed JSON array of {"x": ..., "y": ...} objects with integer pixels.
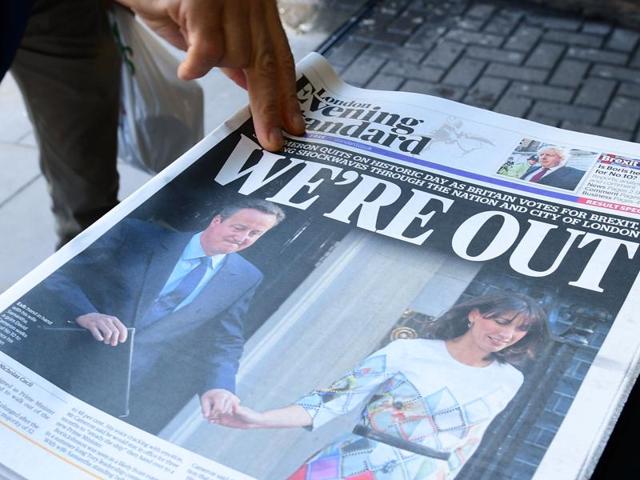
[
  {"x": 242, "y": 417},
  {"x": 216, "y": 402},
  {"x": 104, "y": 328},
  {"x": 246, "y": 39}
]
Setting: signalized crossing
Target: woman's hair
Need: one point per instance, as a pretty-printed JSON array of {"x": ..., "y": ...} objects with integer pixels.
[{"x": 455, "y": 322}]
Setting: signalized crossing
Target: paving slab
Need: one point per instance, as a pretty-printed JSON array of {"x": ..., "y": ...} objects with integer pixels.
[
  {"x": 26, "y": 236},
  {"x": 19, "y": 167},
  {"x": 14, "y": 121}
]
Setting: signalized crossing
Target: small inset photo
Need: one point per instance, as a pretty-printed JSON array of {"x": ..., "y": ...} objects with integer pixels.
[{"x": 548, "y": 164}]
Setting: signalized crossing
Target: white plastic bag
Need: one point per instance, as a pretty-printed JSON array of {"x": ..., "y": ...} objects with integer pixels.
[{"x": 161, "y": 116}]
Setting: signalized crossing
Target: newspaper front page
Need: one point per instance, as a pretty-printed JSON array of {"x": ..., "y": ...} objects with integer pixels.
[{"x": 414, "y": 289}]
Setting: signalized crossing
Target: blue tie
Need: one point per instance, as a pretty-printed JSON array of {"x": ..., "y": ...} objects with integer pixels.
[{"x": 167, "y": 303}]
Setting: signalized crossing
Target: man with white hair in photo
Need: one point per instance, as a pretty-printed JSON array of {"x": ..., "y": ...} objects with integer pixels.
[{"x": 552, "y": 171}]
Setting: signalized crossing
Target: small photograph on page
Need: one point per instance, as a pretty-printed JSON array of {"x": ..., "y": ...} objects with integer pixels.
[{"x": 548, "y": 164}]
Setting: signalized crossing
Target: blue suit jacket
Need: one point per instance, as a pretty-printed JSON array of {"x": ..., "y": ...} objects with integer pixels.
[
  {"x": 121, "y": 275},
  {"x": 564, "y": 177}
]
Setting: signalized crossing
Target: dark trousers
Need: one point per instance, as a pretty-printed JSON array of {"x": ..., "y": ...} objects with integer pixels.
[
  {"x": 68, "y": 70},
  {"x": 157, "y": 397}
]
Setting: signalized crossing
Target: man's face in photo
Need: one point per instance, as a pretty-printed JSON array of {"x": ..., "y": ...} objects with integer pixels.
[
  {"x": 236, "y": 232},
  {"x": 549, "y": 159}
]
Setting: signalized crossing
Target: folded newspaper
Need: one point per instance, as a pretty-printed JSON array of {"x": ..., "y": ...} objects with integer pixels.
[{"x": 415, "y": 289}]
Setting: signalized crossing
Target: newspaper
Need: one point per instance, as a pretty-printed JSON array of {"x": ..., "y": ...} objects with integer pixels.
[{"x": 414, "y": 289}]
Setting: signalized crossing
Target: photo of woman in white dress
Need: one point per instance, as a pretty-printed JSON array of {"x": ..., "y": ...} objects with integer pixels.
[{"x": 425, "y": 403}]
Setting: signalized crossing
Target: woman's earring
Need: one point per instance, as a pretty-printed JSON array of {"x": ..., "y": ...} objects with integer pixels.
[{"x": 469, "y": 324}]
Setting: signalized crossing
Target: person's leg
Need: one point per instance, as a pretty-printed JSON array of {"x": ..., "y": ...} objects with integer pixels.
[{"x": 68, "y": 69}]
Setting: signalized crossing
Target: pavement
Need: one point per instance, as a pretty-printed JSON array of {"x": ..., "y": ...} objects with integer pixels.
[{"x": 520, "y": 59}]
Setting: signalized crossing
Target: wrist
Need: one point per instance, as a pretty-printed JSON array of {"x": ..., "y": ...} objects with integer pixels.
[{"x": 258, "y": 420}]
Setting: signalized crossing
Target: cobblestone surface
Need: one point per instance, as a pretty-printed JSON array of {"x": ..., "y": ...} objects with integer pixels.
[{"x": 522, "y": 60}]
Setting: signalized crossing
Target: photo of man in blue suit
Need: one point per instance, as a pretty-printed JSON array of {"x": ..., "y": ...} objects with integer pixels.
[
  {"x": 186, "y": 295},
  {"x": 552, "y": 170}
]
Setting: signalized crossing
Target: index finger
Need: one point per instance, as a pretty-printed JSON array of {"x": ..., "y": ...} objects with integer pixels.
[
  {"x": 271, "y": 61},
  {"x": 285, "y": 77},
  {"x": 263, "y": 102}
]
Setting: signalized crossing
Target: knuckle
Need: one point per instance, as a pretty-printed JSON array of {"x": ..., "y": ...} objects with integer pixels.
[{"x": 265, "y": 61}]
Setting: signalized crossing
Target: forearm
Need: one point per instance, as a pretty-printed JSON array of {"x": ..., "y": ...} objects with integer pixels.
[
  {"x": 287, "y": 417},
  {"x": 72, "y": 300}
]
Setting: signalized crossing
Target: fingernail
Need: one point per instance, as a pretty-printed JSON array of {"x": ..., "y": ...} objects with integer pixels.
[
  {"x": 298, "y": 122},
  {"x": 275, "y": 137}
]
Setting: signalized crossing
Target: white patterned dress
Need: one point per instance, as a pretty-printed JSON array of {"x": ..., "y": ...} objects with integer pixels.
[{"x": 415, "y": 391}]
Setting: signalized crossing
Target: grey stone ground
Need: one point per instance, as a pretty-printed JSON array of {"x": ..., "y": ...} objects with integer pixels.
[{"x": 523, "y": 60}]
